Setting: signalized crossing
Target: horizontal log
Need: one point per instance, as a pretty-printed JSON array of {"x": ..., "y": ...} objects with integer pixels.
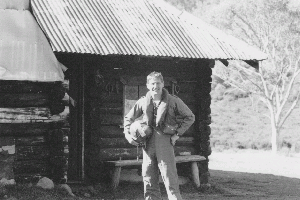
[
  {"x": 110, "y": 83},
  {"x": 108, "y": 119},
  {"x": 62, "y": 118},
  {"x": 186, "y": 87},
  {"x": 59, "y": 150},
  {"x": 32, "y": 153},
  {"x": 64, "y": 122},
  {"x": 107, "y": 131},
  {"x": 29, "y": 113},
  {"x": 116, "y": 153},
  {"x": 27, "y": 129},
  {"x": 111, "y": 142},
  {"x": 123, "y": 143},
  {"x": 35, "y": 111},
  {"x": 185, "y": 141},
  {"x": 29, "y": 178},
  {"x": 61, "y": 161},
  {"x": 184, "y": 150},
  {"x": 103, "y": 96},
  {"x": 15, "y": 121},
  {"x": 31, "y": 166},
  {"x": 57, "y": 93},
  {"x": 22, "y": 88},
  {"x": 56, "y": 107},
  {"x": 104, "y": 110},
  {"x": 30, "y": 141},
  {"x": 32, "y": 115},
  {"x": 7, "y": 141},
  {"x": 95, "y": 103},
  {"x": 26, "y": 86},
  {"x": 24, "y": 100},
  {"x": 97, "y": 153}
]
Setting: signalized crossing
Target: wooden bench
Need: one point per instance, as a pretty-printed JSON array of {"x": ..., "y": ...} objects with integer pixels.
[{"x": 117, "y": 167}]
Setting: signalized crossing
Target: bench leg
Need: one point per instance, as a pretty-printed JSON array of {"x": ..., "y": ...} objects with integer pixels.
[
  {"x": 195, "y": 174},
  {"x": 116, "y": 177}
]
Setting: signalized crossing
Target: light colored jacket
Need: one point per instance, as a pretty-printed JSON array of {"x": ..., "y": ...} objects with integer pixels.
[{"x": 177, "y": 114}]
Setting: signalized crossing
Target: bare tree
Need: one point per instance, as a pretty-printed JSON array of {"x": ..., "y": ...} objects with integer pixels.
[
  {"x": 271, "y": 27},
  {"x": 274, "y": 91}
]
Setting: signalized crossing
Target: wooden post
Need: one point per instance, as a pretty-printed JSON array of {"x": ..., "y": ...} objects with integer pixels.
[
  {"x": 74, "y": 127},
  {"x": 82, "y": 119},
  {"x": 116, "y": 177},
  {"x": 195, "y": 174},
  {"x": 77, "y": 123}
]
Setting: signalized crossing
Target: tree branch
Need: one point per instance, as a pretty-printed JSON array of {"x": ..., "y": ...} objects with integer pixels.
[
  {"x": 249, "y": 26},
  {"x": 268, "y": 104},
  {"x": 288, "y": 92},
  {"x": 266, "y": 92},
  {"x": 289, "y": 111}
]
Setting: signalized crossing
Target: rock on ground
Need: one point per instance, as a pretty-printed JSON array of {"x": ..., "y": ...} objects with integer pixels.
[{"x": 45, "y": 183}]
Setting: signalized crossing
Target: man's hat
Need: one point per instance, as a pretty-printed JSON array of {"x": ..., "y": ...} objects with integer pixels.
[{"x": 140, "y": 131}]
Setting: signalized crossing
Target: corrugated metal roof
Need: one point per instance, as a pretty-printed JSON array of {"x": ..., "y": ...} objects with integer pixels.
[
  {"x": 135, "y": 27},
  {"x": 25, "y": 53}
]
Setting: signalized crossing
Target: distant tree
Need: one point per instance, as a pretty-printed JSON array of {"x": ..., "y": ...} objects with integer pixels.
[
  {"x": 187, "y": 5},
  {"x": 274, "y": 27}
]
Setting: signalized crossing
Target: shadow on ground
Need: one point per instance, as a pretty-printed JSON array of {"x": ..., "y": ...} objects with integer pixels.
[{"x": 224, "y": 185}]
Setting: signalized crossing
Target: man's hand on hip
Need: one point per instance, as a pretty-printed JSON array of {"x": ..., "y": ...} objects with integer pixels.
[{"x": 173, "y": 139}]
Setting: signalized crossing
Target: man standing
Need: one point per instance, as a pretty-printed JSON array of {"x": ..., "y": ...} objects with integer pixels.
[{"x": 160, "y": 111}]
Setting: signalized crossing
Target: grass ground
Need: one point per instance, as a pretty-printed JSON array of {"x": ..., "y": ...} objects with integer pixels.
[
  {"x": 225, "y": 185},
  {"x": 236, "y": 124}
]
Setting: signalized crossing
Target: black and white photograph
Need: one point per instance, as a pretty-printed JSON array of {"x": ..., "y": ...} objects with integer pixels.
[{"x": 149, "y": 99}]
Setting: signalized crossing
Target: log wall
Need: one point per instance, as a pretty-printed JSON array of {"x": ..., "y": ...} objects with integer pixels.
[
  {"x": 34, "y": 115},
  {"x": 105, "y": 107},
  {"x": 203, "y": 117}
]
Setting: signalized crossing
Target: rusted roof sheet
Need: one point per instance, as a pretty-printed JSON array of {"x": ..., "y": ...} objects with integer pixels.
[{"x": 135, "y": 27}]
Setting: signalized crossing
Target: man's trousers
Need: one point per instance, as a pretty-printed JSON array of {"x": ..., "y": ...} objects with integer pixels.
[{"x": 158, "y": 155}]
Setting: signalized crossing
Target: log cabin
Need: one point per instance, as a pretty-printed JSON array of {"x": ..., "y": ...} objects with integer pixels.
[
  {"x": 109, "y": 47},
  {"x": 33, "y": 113}
]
